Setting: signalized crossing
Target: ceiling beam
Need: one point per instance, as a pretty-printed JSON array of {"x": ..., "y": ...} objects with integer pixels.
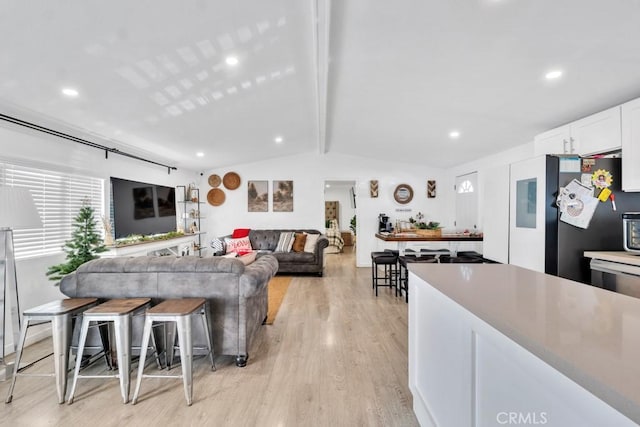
[{"x": 321, "y": 15}]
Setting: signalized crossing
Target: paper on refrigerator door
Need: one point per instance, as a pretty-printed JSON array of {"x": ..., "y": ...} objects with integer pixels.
[{"x": 577, "y": 204}]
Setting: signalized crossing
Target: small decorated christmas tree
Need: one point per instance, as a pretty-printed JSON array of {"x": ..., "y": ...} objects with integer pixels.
[{"x": 84, "y": 246}]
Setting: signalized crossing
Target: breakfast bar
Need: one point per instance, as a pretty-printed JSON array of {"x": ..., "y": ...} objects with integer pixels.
[
  {"x": 493, "y": 344},
  {"x": 453, "y": 241}
]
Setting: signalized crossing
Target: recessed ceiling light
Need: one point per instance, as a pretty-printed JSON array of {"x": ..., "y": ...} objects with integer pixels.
[
  {"x": 278, "y": 139},
  {"x": 200, "y": 154},
  {"x": 554, "y": 74},
  {"x": 454, "y": 134},
  {"x": 70, "y": 92},
  {"x": 231, "y": 60}
]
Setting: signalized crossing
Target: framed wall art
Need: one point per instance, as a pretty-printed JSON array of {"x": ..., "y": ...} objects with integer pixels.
[
  {"x": 282, "y": 196},
  {"x": 258, "y": 196}
]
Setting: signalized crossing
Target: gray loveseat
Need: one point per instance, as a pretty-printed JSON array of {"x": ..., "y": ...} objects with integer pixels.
[
  {"x": 266, "y": 241},
  {"x": 236, "y": 294}
]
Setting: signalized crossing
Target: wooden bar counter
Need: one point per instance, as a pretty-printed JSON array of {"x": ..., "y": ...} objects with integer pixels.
[
  {"x": 412, "y": 237},
  {"x": 453, "y": 241}
]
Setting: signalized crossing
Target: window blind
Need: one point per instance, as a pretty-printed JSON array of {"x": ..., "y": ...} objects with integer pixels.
[{"x": 58, "y": 198}]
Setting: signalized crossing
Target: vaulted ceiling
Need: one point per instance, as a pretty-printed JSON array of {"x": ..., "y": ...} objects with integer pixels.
[{"x": 381, "y": 79}]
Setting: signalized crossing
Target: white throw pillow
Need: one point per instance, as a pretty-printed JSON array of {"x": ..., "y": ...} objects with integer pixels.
[
  {"x": 248, "y": 258},
  {"x": 242, "y": 245},
  {"x": 310, "y": 244},
  {"x": 286, "y": 241}
]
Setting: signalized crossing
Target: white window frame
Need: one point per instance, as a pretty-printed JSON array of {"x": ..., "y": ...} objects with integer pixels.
[{"x": 58, "y": 197}]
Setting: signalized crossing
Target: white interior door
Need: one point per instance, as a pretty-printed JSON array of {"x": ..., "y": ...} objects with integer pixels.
[
  {"x": 526, "y": 213},
  {"x": 467, "y": 202}
]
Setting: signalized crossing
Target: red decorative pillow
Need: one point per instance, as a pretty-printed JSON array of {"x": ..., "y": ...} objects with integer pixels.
[{"x": 239, "y": 233}]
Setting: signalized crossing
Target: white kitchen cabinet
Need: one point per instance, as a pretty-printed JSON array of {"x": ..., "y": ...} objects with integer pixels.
[
  {"x": 631, "y": 145},
  {"x": 597, "y": 133},
  {"x": 554, "y": 141}
]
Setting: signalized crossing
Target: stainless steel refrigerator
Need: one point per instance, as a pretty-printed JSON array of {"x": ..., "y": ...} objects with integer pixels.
[{"x": 565, "y": 243}]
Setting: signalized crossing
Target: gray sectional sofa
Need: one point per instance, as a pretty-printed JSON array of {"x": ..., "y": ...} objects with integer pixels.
[
  {"x": 236, "y": 294},
  {"x": 266, "y": 241}
]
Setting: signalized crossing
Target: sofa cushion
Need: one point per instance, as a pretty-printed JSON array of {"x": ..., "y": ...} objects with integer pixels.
[
  {"x": 285, "y": 242},
  {"x": 310, "y": 243},
  {"x": 294, "y": 257},
  {"x": 239, "y": 233},
  {"x": 299, "y": 242},
  {"x": 241, "y": 246},
  {"x": 218, "y": 246},
  {"x": 264, "y": 240},
  {"x": 248, "y": 258}
]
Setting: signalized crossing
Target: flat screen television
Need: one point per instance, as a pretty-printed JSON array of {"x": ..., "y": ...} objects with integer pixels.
[{"x": 142, "y": 208}]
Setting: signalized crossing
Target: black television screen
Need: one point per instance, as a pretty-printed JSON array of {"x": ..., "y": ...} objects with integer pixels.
[{"x": 142, "y": 208}]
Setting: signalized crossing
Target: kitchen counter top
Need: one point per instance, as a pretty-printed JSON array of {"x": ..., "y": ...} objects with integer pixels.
[
  {"x": 615, "y": 256},
  {"x": 590, "y": 335}
]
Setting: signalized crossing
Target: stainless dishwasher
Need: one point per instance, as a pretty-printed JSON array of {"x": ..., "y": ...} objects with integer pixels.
[{"x": 616, "y": 277}]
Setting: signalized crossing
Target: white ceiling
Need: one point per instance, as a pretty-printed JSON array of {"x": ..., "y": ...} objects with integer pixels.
[{"x": 371, "y": 78}]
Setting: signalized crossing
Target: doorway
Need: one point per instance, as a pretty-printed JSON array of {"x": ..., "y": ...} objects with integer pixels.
[
  {"x": 340, "y": 206},
  {"x": 466, "y": 202}
]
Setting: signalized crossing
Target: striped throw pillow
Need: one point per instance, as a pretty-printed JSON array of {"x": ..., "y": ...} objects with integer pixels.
[{"x": 286, "y": 241}]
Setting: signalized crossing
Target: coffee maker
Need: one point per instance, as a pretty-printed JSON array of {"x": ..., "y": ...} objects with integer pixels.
[{"x": 384, "y": 225}]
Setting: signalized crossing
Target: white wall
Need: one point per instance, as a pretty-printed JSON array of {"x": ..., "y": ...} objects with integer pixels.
[
  {"x": 48, "y": 152},
  {"x": 309, "y": 172}
]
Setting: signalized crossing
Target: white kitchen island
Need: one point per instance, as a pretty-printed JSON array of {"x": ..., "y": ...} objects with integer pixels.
[{"x": 493, "y": 344}]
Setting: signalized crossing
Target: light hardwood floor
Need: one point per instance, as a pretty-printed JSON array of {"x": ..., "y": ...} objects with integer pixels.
[{"x": 335, "y": 356}]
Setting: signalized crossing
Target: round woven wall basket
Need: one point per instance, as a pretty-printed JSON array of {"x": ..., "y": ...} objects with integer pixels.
[
  {"x": 215, "y": 197},
  {"x": 214, "y": 180},
  {"x": 231, "y": 180}
]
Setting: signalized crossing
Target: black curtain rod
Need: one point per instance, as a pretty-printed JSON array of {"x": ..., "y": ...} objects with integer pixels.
[{"x": 62, "y": 135}]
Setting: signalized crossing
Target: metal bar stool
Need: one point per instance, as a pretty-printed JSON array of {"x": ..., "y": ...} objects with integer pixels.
[
  {"x": 180, "y": 312},
  {"x": 62, "y": 315},
  {"x": 403, "y": 281},
  {"x": 390, "y": 261},
  {"x": 437, "y": 253},
  {"x": 118, "y": 311}
]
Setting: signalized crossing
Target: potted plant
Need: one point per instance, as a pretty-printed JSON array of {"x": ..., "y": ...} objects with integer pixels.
[
  {"x": 430, "y": 229},
  {"x": 352, "y": 225},
  {"x": 84, "y": 245}
]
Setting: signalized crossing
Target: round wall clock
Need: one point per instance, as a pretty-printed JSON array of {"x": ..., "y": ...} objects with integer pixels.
[{"x": 403, "y": 193}]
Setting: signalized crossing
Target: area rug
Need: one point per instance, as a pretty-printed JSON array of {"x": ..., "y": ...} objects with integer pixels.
[{"x": 278, "y": 286}]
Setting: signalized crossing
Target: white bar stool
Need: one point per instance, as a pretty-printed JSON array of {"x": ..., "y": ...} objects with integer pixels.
[
  {"x": 118, "y": 311},
  {"x": 179, "y": 311},
  {"x": 61, "y": 314}
]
